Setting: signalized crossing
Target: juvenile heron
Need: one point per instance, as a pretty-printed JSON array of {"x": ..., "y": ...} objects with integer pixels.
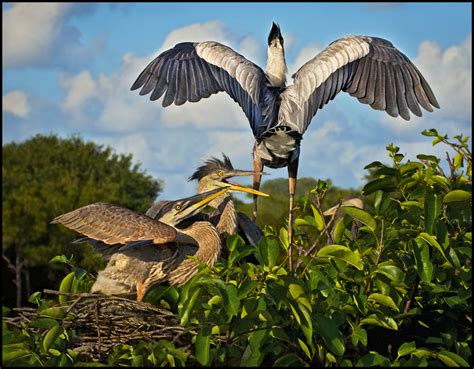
[
  {"x": 213, "y": 174},
  {"x": 368, "y": 68},
  {"x": 143, "y": 251}
]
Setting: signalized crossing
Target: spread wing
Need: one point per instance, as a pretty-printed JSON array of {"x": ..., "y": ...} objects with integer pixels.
[
  {"x": 192, "y": 71},
  {"x": 112, "y": 225},
  {"x": 368, "y": 68}
]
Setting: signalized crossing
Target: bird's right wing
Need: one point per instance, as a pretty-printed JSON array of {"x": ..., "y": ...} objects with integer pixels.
[
  {"x": 368, "y": 68},
  {"x": 114, "y": 225},
  {"x": 191, "y": 71}
]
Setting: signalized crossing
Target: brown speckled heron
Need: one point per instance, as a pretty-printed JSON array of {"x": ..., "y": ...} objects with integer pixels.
[
  {"x": 368, "y": 68},
  {"x": 143, "y": 251},
  {"x": 214, "y": 173}
]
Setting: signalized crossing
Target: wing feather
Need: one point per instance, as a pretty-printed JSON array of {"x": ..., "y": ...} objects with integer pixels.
[
  {"x": 116, "y": 225},
  {"x": 192, "y": 71},
  {"x": 368, "y": 68}
]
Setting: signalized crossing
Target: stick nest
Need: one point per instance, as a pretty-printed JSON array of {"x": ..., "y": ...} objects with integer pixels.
[{"x": 101, "y": 322}]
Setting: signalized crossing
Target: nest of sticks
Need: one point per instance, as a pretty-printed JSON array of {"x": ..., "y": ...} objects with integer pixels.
[{"x": 101, "y": 322}]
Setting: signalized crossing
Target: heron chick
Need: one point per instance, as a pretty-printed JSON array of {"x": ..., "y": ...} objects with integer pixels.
[{"x": 143, "y": 251}]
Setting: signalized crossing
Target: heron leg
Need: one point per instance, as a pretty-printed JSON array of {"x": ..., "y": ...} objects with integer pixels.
[
  {"x": 292, "y": 175},
  {"x": 257, "y": 178}
]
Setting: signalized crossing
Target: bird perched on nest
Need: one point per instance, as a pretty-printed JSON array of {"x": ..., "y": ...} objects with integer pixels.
[
  {"x": 214, "y": 174},
  {"x": 368, "y": 68},
  {"x": 143, "y": 251}
]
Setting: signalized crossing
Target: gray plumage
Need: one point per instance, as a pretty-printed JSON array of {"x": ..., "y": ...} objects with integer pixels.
[{"x": 368, "y": 68}]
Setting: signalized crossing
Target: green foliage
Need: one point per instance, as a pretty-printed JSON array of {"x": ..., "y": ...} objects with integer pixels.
[
  {"x": 273, "y": 210},
  {"x": 386, "y": 285},
  {"x": 46, "y": 176}
]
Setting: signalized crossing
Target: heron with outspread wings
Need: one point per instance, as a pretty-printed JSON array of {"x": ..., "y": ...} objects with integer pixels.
[{"x": 368, "y": 68}]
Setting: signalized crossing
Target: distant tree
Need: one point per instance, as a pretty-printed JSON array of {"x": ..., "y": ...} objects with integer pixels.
[
  {"x": 46, "y": 176},
  {"x": 273, "y": 210}
]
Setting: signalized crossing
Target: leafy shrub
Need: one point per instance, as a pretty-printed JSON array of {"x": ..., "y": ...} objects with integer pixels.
[{"x": 384, "y": 287}]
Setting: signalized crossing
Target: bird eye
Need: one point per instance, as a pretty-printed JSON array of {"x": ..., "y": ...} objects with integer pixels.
[
  {"x": 178, "y": 207},
  {"x": 220, "y": 173}
]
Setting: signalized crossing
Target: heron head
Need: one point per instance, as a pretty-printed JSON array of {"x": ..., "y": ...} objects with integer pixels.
[
  {"x": 173, "y": 212},
  {"x": 215, "y": 173},
  {"x": 275, "y": 38}
]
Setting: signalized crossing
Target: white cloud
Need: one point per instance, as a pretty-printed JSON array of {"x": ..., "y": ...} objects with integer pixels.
[
  {"x": 304, "y": 56},
  {"x": 125, "y": 111},
  {"x": 40, "y": 34},
  {"x": 80, "y": 88},
  {"x": 449, "y": 73},
  {"x": 16, "y": 103}
]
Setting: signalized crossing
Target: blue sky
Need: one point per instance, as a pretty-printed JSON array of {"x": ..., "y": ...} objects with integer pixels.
[{"x": 68, "y": 68}]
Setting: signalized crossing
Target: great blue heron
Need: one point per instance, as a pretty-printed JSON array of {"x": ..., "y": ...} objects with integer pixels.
[
  {"x": 368, "y": 68},
  {"x": 143, "y": 251}
]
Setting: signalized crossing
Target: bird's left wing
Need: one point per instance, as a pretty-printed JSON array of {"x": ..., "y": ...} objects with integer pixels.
[
  {"x": 368, "y": 68},
  {"x": 191, "y": 71},
  {"x": 114, "y": 225}
]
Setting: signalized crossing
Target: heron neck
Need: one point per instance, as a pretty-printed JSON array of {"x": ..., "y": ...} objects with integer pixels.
[
  {"x": 276, "y": 66},
  {"x": 207, "y": 240},
  {"x": 227, "y": 224}
]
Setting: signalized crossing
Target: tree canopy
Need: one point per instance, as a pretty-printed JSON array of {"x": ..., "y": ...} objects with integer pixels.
[{"x": 46, "y": 176}]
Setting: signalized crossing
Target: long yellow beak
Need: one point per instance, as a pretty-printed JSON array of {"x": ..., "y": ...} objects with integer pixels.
[
  {"x": 209, "y": 198},
  {"x": 239, "y": 188}
]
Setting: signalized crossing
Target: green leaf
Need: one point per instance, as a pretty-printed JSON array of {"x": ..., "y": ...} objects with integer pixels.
[
  {"x": 360, "y": 215},
  {"x": 65, "y": 286},
  {"x": 290, "y": 359},
  {"x": 386, "y": 322},
  {"x": 374, "y": 164},
  {"x": 392, "y": 272},
  {"x": 318, "y": 219},
  {"x": 373, "y": 359},
  {"x": 430, "y": 132},
  {"x": 44, "y": 323},
  {"x": 51, "y": 336},
  {"x": 431, "y": 158},
  {"x": 344, "y": 253},
  {"x": 385, "y": 184},
  {"x": 432, "y": 241},
  {"x": 424, "y": 266},
  {"x": 406, "y": 348},
  {"x": 330, "y": 334},
  {"x": 359, "y": 335},
  {"x": 189, "y": 305},
  {"x": 441, "y": 180},
  {"x": 270, "y": 249},
  {"x": 456, "y": 195},
  {"x": 457, "y": 161},
  {"x": 203, "y": 345},
  {"x": 61, "y": 259},
  {"x": 284, "y": 238},
  {"x": 53, "y": 312},
  {"x": 384, "y": 300},
  {"x": 451, "y": 359},
  {"x": 305, "y": 349},
  {"x": 432, "y": 208},
  {"x": 15, "y": 355}
]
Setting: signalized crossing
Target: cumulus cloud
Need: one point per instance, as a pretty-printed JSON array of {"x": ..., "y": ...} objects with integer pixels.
[
  {"x": 306, "y": 53},
  {"x": 80, "y": 88},
  {"x": 40, "y": 34},
  {"x": 16, "y": 103},
  {"x": 125, "y": 111}
]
